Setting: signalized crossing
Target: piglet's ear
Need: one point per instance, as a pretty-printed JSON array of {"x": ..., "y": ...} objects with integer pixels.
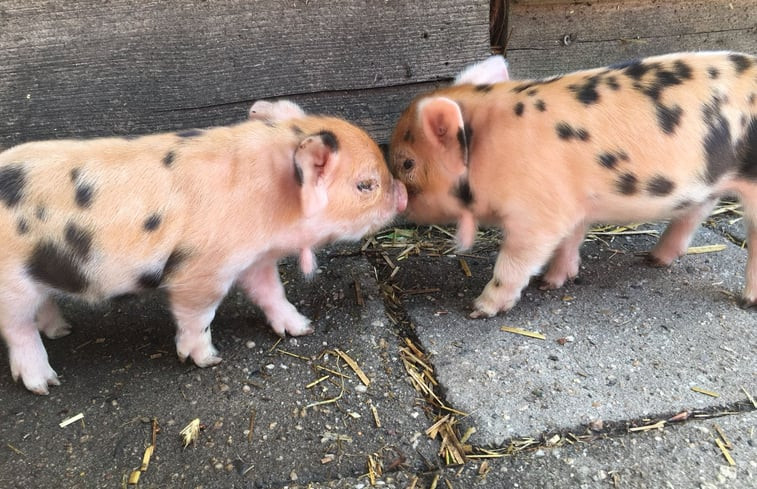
[
  {"x": 492, "y": 70},
  {"x": 279, "y": 110},
  {"x": 443, "y": 126},
  {"x": 314, "y": 163}
]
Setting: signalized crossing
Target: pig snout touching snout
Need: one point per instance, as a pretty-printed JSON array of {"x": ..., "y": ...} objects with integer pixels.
[
  {"x": 191, "y": 212},
  {"x": 643, "y": 140}
]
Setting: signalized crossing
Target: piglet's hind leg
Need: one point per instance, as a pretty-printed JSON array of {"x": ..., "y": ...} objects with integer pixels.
[
  {"x": 50, "y": 321},
  {"x": 263, "y": 285},
  {"x": 675, "y": 240},
  {"x": 565, "y": 262},
  {"x": 748, "y": 195}
]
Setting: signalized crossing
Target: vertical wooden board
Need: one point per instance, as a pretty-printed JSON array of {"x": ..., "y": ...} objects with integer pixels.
[
  {"x": 94, "y": 68},
  {"x": 550, "y": 37}
]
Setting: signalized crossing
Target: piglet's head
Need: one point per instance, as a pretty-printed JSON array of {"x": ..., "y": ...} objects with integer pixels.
[
  {"x": 430, "y": 147},
  {"x": 346, "y": 189},
  {"x": 429, "y": 154}
]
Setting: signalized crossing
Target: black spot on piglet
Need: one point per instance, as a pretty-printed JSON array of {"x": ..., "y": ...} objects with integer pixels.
[
  {"x": 174, "y": 261},
  {"x": 150, "y": 280},
  {"x": 463, "y": 192},
  {"x": 12, "y": 181},
  {"x": 659, "y": 186},
  {"x": 22, "y": 226},
  {"x": 519, "y": 109},
  {"x": 78, "y": 239},
  {"x": 83, "y": 195},
  {"x": 40, "y": 213},
  {"x": 626, "y": 184},
  {"x": 587, "y": 92},
  {"x": 747, "y": 151},
  {"x": 608, "y": 160},
  {"x": 189, "y": 133},
  {"x": 719, "y": 152},
  {"x": 668, "y": 117},
  {"x": 56, "y": 267},
  {"x": 740, "y": 62},
  {"x": 567, "y": 132},
  {"x": 169, "y": 158},
  {"x": 152, "y": 222}
]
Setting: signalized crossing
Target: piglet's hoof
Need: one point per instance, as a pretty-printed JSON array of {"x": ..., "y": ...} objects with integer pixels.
[
  {"x": 36, "y": 378},
  {"x": 479, "y": 314},
  {"x": 653, "y": 261}
]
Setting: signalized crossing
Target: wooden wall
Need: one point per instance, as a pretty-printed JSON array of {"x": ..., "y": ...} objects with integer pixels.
[
  {"x": 94, "y": 67},
  {"x": 546, "y": 37},
  {"x": 114, "y": 67}
]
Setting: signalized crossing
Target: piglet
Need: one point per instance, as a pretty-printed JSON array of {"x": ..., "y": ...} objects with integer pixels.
[
  {"x": 656, "y": 138},
  {"x": 191, "y": 212}
]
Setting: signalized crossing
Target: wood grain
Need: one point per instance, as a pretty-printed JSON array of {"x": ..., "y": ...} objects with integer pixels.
[
  {"x": 551, "y": 37},
  {"x": 89, "y": 68}
]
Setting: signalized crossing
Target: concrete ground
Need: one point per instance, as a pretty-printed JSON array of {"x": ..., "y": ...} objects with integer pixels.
[{"x": 614, "y": 396}]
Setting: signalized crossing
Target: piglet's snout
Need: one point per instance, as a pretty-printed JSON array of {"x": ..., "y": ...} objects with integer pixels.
[{"x": 400, "y": 193}]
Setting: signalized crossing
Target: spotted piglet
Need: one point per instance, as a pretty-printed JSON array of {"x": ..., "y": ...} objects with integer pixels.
[
  {"x": 661, "y": 137},
  {"x": 191, "y": 212}
]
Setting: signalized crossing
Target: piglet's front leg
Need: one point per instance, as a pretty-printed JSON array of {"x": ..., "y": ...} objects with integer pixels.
[
  {"x": 263, "y": 285},
  {"x": 521, "y": 256}
]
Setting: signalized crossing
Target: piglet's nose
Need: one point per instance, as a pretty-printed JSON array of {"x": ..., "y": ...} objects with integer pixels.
[{"x": 401, "y": 195}]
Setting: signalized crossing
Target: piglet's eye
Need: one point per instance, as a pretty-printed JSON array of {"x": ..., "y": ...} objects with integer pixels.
[
  {"x": 408, "y": 164},
  {"x": 366, "y": 185}
]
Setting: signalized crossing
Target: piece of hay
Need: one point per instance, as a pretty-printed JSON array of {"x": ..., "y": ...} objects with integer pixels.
[
  {"x": 655, "y": 426},
  {"x": 705, "y": 392},
  {"x": 354, "y": 366},
  {"x": 725, "y": 439},
  {"x": 134, "y": 477},
  {"x": 464, "y": 266},
  {"x": 317, "y": 381},
  {"x": 694, "y": 250},
  {"x": 748, "y": 396},
  {"x": 375, "y": 416},
  {"x": 146, "y": 458},
  {"x": 725, "y": 452},
  {"x": 191, "y": 432},
  {"x": 72, "y": 419},
  {"x": 521, "y": 331}
]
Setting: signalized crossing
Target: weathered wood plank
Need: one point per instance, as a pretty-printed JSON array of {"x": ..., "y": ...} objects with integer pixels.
[
  {"x": 550, "y": 37},
  {"x": 85, "y": 68}
]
